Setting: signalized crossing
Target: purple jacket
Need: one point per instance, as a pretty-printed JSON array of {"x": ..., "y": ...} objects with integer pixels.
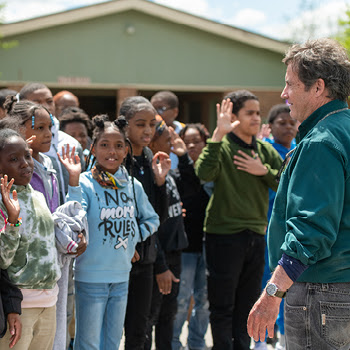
[{"x": 46, "y": 173}]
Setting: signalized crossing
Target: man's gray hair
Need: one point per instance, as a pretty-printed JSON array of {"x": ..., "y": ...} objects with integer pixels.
[{"x": 322, "y": 59}]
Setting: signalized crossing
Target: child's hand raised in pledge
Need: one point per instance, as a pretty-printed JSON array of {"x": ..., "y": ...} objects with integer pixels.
[
  {"x": 71, "y": 162},
  {"x": 11, "y": 204},
  {"x": 264, "y": 132},
  {"x": 179, "y": 147},
  {"x": 161, "y": 165},
  {"x": 224, "y": 123},
  {"x": 31, "y": 140}
]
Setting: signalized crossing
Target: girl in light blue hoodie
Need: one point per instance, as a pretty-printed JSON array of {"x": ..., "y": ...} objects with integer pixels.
[{"x": 119, "y": 215}]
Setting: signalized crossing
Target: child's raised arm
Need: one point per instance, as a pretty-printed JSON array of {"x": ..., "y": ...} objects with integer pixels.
[
  {"x": 161, "y": 165},
  {"x": 71, "y": 162},
  {"x": 11, "y": 204},
  {"x": 224, "y": 123}
]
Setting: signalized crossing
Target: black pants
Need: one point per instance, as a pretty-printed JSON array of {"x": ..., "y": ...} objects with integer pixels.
[
  {"x": 235, "y": 265},
  {"x": 139, "y": 306},
  {"x": 164, "y": 308}
]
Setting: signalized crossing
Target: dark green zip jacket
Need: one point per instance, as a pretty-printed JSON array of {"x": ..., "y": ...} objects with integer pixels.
[{"x": 311, "y": 215}]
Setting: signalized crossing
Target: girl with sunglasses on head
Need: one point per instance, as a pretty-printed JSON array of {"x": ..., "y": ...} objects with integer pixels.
[
  {"x": 150, "y": 170},
  {"x": 172, "y": 237}
]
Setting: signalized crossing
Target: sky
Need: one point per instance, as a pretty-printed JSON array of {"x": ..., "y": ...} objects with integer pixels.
[{"x": 293, "y": 20}]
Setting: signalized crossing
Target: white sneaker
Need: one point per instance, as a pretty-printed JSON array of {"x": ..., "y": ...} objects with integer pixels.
[
  {"x": 281, "y": 344},
  {"x": 280, "y": 347},
  {"x": 260, "y": 346}
]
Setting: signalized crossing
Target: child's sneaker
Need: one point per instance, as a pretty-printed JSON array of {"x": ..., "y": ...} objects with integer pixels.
[
  {"x": 260, "y": 346},
  {"x": 281, "y": 344},
  {"x": 280, "y": 347}
]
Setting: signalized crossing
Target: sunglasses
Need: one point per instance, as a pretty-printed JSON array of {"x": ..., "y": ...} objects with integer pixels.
[
  {"x": 160, "y": 127},
  {"x": 163, "y": 109}
]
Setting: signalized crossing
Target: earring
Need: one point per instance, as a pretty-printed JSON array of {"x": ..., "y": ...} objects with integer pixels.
[{"x": 33, "y": 121}]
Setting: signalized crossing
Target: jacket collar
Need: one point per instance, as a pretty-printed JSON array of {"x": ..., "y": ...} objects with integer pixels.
[
  {"x": 20, "y": 188},
  {"x": 315, "y": 117},
  {"x": 241, "y": 143}
]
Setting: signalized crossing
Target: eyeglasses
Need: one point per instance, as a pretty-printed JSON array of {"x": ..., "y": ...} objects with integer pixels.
[{"x": 163, "y": 109}]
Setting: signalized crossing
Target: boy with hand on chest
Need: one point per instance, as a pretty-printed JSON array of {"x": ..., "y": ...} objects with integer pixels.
[{"x": 242, "y": 169}]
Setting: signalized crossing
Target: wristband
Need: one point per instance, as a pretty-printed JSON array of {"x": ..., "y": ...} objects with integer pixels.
[
  {"x": 2, "y": 214},
  {"x": 17, "y": 224}
]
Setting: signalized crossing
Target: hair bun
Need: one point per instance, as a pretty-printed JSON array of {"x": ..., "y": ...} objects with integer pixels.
[
  {"x": 99, "y": 120},
  {"x": 121, "y": 122},
  {"x": 10, "y": 102}
]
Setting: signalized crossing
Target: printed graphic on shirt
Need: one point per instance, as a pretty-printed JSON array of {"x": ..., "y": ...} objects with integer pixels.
[
  {"x": 175, "y": 207},
  {"x": 117, "y": 219}
]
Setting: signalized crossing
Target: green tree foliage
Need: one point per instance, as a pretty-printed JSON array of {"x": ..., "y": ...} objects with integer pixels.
[
  {"x": 344, "y": 30},
  {"x": 5, "y": 44},
  {"x": 310, "y": 23}
]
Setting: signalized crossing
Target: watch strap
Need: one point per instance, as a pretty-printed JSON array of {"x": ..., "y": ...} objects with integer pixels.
[{"x": 280, "y": 294}]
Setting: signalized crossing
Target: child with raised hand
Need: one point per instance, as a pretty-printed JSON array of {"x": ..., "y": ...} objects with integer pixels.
[
  {"x": 150, "y": 171},
  {"x": 76, "y": 123},
  {"x": 242, "y": 168},
  {"x": 41, "y": 94},
  {"x": 193, "y": 268},
  {"x": 27, "y": 245},
  {"x": 35, "y": 120},
  {"x": 119, "y": 215},
  {"x": 172, "y": 238}
]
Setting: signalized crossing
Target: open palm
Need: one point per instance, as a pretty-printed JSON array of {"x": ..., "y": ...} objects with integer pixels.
[
  {"x": 11, "y": 204},
  {"x": 70, "y": 161},
  {"x": 161, "y": 165}
]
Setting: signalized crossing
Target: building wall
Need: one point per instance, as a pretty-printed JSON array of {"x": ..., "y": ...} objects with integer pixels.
[
  {"x": 157, "y": 53},
  {"x": 106, "y": 59}
]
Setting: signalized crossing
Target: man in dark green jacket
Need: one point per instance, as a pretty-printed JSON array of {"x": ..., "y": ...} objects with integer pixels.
[
  {"x": 309, "y": 232},
  {"x": 242, "y": 169}
]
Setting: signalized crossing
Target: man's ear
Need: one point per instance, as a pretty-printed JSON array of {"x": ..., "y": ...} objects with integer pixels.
[
  {"x": 319, "y": 87},
  {"x": 176, "y": 111}
]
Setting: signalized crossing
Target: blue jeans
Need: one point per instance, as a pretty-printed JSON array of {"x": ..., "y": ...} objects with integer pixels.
[
  {"x": 100, "y": 313},
  {"x": 192, "y": 282},
  {"x": 317, "y": 316}
]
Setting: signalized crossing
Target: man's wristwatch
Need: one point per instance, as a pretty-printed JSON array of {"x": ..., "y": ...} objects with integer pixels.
[{"x": 272, "y": 291}]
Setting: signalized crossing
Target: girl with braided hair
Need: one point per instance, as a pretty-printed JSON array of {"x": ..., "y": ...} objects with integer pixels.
[{"x": 119, "y": 215}]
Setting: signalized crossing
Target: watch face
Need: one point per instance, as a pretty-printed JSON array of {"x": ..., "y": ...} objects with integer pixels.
[{"x": 271, "y": 289}]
